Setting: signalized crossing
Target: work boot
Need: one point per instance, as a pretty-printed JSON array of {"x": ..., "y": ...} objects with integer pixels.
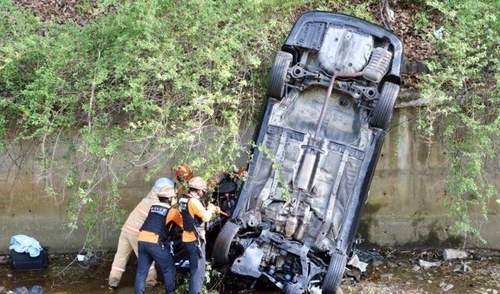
[
  {"x": 113, "y": 284},
  {"x": 112, "y": 288}
]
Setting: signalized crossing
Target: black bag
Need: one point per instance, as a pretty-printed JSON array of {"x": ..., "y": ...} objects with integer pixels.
[{"x": 23, "y": 261}]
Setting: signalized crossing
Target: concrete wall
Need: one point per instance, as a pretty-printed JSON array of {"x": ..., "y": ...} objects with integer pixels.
[
  {"x": 404, "y": 208},
  {"x": 26, "y": 208},
  {"x": 405, "y": 205}
]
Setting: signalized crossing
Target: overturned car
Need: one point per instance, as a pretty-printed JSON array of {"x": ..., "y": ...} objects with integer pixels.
[{"x": 331, "y": 94}]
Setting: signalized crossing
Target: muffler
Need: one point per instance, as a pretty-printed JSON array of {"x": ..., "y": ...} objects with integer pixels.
[{"x": 307, "y": 169}]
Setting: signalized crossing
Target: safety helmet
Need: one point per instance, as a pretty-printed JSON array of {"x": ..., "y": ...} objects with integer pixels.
[
  {"x": 166, "y": 192},
  {"x": 161, "y": 182},
  {"x": 242, "y": 172},
  {"x": 183, "y": 172},
  {"x": 198, "y": 183}
]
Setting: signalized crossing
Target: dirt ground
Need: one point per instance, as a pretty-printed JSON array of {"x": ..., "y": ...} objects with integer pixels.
[
  {"x": 426, "y": 271},
  {"x": 395, "y": 271}
]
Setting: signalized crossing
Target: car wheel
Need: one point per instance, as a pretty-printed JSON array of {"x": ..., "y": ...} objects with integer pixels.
[
  {"x": 277, "y": 77},
  {"x": 222, "y": 244},
  {"x": 382, "y": 113},
  {"x": 334, "y": 274}
]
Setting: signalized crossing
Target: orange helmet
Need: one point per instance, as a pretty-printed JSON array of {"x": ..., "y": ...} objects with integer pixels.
[
  {"x": 198, "y": 183},
  {"x": 242, "y": 172},
  {"x": 166, "y": 192},
  {"x": 183, "y": 172}
]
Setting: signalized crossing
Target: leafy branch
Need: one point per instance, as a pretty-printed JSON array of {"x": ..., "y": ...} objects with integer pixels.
[{"x": 462, "y": 91}]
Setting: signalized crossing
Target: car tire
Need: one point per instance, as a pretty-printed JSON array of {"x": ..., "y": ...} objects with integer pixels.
[
  {"x": 382, "y": 113},
  {"x": 334, "y": 274},
  {"x": 223, "y": 242},
  {"x": 277, "y": 77}
]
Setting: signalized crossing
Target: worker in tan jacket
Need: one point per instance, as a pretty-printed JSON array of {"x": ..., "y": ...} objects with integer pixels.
[{"x": 127, "y": 242}]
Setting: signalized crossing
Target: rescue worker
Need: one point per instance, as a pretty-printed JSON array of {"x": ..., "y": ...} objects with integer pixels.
[
  {"x": 195, "y": 216},
  {"x": 127, "y": 241},
  {"x": 154, "y": 243}
]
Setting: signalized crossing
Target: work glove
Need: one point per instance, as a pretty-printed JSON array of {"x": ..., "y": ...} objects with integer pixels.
[{"x": 211, "y": 207}]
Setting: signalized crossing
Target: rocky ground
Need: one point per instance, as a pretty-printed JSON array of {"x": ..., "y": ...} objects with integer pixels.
[
  {"x": 429, "y": 271},
  {"x": 388, "y": 271}
]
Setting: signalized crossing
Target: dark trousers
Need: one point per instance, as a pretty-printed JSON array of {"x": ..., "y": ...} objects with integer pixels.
[
  {"x": 161, "y": 255},
  {"x": 197, "y": 263}
]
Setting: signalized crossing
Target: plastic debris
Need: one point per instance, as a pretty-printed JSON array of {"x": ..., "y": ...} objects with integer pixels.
[
  {"x": 454, "y": 254},
  {"x": 427, "y": 264}
]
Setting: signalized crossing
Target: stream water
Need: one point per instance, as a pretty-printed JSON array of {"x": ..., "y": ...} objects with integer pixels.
[{"x": 65, "y": 274}]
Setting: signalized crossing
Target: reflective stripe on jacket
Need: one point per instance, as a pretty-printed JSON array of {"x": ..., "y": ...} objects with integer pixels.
[{"x": 138, "y": 215}]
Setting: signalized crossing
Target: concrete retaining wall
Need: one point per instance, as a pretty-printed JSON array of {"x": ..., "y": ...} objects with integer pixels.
[{"x": 404, "y": 207}]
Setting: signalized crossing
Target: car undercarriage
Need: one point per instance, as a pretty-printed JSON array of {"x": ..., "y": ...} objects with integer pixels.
[{"x": 331, "y": 94}]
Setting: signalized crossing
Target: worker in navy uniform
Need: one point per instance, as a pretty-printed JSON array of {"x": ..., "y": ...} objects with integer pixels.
[
  {"x": 195, "y": 216},
  {"x": 154, "y": 243},
  {"x": 127, "y": 243}
]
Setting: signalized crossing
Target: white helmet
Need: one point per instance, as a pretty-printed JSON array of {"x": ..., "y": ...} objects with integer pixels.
[{"x": 162, "y": 182}]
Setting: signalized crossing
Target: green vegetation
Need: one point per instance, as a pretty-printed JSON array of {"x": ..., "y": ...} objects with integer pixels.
[{"x": 462, "y": 90}]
